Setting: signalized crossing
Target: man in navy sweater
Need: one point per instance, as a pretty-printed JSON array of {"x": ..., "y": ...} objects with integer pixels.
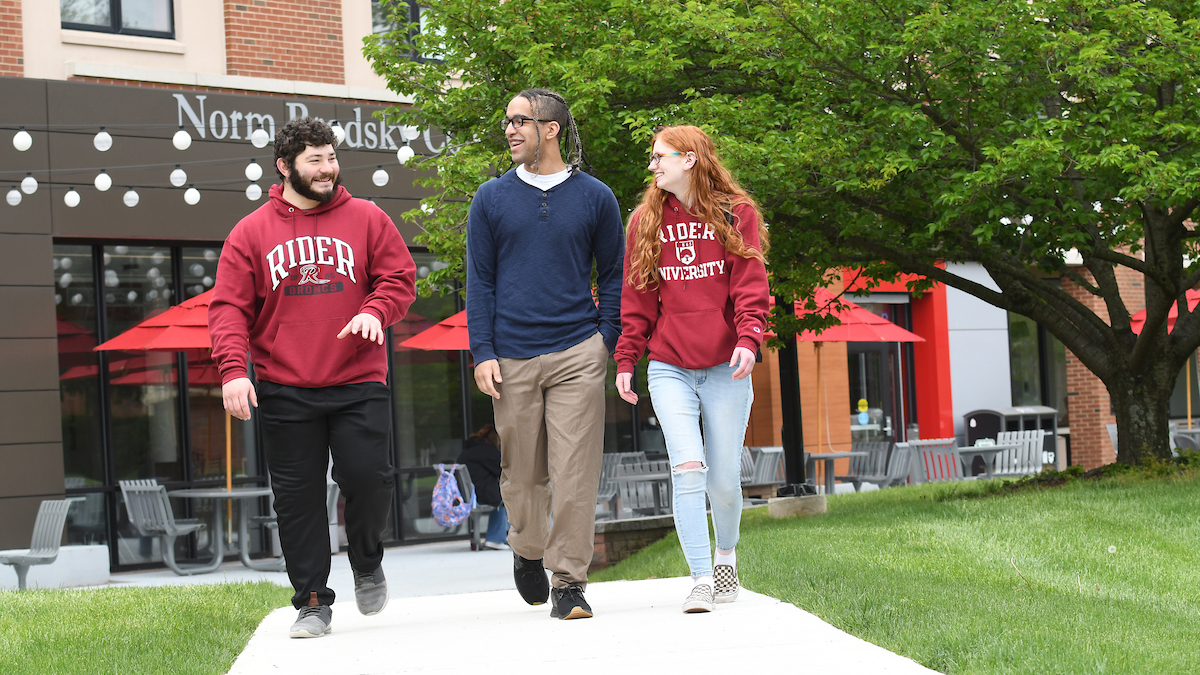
[{"x": 540, "y": 342}]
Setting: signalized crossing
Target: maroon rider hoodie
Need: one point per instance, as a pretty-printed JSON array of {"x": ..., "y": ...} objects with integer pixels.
[
  {"x": 708, "y": 301},
  {"x": 289, "y": 280}
]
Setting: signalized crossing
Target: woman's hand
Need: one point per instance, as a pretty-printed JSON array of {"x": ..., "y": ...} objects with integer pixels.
[
  {"x": 623, "y": 388},
  {"x": 743, "y": 360}
]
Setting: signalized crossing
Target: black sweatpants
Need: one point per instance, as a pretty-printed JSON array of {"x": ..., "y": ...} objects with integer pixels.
[{"x": 301, "y": 428}]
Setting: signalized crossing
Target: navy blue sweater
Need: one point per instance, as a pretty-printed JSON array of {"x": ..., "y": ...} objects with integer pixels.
[{"x": 529, "y": 266}]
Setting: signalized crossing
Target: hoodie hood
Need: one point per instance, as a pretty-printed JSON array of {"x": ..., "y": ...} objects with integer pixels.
[{"x": 284, "y": 208}]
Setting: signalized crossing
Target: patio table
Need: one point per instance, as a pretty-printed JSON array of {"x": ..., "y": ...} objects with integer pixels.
[
  {"x": 987, "y": 452},
  {"x": 810, "y": 464},
  {"x": 238, "y": 494}
]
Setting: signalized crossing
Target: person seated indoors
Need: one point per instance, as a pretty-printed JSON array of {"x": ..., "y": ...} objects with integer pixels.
[{"x": 481, "y": 455}]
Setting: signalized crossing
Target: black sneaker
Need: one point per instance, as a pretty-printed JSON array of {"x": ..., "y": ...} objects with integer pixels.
[
  {"x": 370, "y": 591},
  {"x": 568, "y": 603},
  {"x": 531, "y": 580}
]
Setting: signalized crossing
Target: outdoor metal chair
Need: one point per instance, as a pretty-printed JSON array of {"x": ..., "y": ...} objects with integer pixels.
[
  {"x": 644, "y": 487},
  {"x": 47, "y": 535},
  {"x": 1186, "y": 442},
  {"x": 937, "y": 460},
  {"x": 747, "y": 466},
  {"x": 768, "y": 466},
  {"x": 1025, "y": 459},
  {"x": 608, "y": 496},
  {"x": 873, "y": 465},
  {"x": 899, "y": 466},
  {"x": 765, "y": 471},
  {"x": 151, "y": 515}
]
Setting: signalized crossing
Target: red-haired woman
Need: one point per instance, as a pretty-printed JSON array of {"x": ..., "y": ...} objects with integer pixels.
[{"x": 695, "y": 292}]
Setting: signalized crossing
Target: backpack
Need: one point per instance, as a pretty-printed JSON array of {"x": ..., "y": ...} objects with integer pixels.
[{"x": 449, "y": 507}]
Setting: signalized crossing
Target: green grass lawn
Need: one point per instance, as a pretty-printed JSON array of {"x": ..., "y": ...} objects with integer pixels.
[
  {"x": 164, "y": 629},
  {"x": 967, "y": 578}
]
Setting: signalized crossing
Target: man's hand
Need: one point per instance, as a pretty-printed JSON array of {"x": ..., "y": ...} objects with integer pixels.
[
  {"x": 743, "y": 360},
  {"x": 235, "y": 394},
  {"x": 487, "y": 376},
  {"x": 623, "y": 388},
  {"x": 367, "y": 325}
]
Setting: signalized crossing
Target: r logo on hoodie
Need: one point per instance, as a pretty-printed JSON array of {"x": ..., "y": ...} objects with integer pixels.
[{"x": 685, "y": 251}]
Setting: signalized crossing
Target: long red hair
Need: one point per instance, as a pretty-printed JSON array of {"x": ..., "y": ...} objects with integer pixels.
[{"x": 714, "y": 194}]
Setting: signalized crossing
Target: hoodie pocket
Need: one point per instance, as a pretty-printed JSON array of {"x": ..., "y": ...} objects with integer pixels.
[
  {"x": 308, "y": 353},
  {"x": 696, "y": 339}
]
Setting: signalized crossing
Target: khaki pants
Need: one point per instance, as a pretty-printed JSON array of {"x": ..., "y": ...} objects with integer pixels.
[{"x": 550, "y": 416}]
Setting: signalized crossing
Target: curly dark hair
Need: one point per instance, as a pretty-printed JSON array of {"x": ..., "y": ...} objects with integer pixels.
[{"x": 297, "y": 134}]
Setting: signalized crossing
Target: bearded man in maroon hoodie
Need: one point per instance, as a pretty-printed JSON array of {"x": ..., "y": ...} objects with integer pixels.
[{"x": 307, "y": 284}]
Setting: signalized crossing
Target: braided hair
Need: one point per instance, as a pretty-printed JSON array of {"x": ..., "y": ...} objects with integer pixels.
[{"x": 551, "y": 106}]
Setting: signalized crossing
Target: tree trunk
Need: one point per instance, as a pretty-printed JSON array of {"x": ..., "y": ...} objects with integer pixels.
[{"x": 1141, "y": 404}]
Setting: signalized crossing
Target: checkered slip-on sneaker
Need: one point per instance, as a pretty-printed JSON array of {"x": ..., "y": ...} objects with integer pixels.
[
  {"x": 726, "y": 580},
  {"x": 699, "y": 600}
]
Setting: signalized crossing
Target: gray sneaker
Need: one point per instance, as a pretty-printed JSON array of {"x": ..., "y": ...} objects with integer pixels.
[
  {"x": 370, "y": 591},
  {"x": 313, "y": 620}
]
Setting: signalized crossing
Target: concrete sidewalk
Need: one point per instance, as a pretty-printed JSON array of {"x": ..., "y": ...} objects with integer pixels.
[
  {"x": 638, "y": 626},
  {"x": 452, "y": 609}
]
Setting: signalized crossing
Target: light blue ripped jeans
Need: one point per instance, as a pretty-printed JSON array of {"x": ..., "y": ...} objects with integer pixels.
[{"x": 683, "y": 400}]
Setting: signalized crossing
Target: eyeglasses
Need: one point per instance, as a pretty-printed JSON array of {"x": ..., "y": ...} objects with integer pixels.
[
  {"x": 657, "y": 157},
  {"x": 518, "y": 121}
]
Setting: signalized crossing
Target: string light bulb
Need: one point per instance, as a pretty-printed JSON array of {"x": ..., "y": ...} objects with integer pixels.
[
  {"x": 339, "y": 134},
  {"x": 71, "y": 199},
  {"x": 22, "y": 141},
  {"x": 182, "y": 140},
  {"x": 103, "y": 181},
  {"x": 14, "y": 197},
  {"x": 103, "y": 140},
  {"x": 191, "y": 196},
  {"x": 29, "y": 184},
  {"x": 260, "y": 138},
  {"x": 131, "y": 198},
  {"x": 409, "y": 133},
  {"x": 404, "y": 154},
  {"x": 178, "y": 176},
  {"x": 253, "y": 170},
  {"x": 253, "y": 192},
  {"x": 380, "y": 177}
]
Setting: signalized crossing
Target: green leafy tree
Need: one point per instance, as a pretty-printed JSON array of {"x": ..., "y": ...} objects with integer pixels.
[{"x": 887, "y": 136}]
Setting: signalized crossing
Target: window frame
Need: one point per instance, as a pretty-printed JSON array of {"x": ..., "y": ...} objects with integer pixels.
[
  {"x": 115, "y": 28},
  {"x": 414, "y": 19}
]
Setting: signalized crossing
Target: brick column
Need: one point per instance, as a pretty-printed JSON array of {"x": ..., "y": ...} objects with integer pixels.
[{"x": 12, "y": 46}]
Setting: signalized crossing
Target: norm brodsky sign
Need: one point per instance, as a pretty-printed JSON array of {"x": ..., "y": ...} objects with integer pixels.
[{"x": 372, "y": 134}]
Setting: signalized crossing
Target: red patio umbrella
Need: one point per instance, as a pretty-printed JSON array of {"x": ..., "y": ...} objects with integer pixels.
[
  {"x": 857, "y": 325},
  {"x": 181, "y": 328},
  {"x": 448, "y": 334}
]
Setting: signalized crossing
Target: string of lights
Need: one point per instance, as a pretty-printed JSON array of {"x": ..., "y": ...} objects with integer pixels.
[{"x": 22, "y": 141}]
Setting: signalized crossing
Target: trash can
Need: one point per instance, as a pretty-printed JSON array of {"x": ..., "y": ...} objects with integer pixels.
[{"x": 988, "y": 423}]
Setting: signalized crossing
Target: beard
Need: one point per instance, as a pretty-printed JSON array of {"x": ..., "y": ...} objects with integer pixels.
[{"x": 304, "y": 188}]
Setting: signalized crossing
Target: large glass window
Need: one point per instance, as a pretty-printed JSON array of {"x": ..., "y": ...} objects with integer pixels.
[
  {"x": 79, "y": 392},
  {"x": 151, "y": 18},
  {"x": 125, "y": 414},
  {"x": 1038, "y": 364},
  {"x": 143, "y": 386},
  {"x": 430, "y": 404}
]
